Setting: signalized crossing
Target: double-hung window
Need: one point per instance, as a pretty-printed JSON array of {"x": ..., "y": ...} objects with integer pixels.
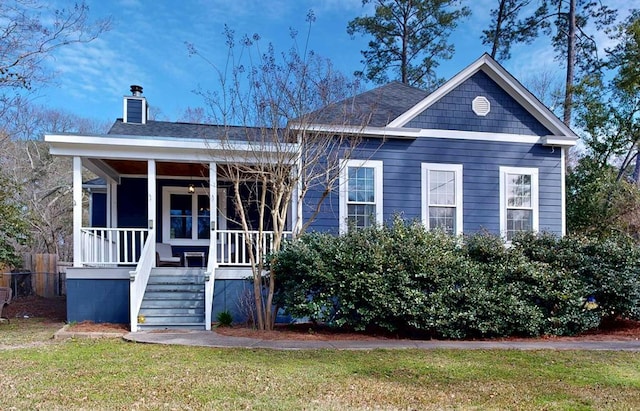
[
  {"x": 518, "y": 200},
  {"x": 360, "y": 193},
  {"x": 442, "y": 197},
  {"x": 186, "y": 217}
]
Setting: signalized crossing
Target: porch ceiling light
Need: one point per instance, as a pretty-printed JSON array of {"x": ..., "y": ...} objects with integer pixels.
[{"x": 191, "y": 189}]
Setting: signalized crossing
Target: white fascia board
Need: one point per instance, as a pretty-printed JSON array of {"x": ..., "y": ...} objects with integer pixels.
[
  {"x": 165, "y": 154},
  {"x": 498, "y": 74},
  {"x": 443, "y": 90},
  {"x": 163, "y": 142},
  {"x": 159, "y": 148},
  {"x": 414, "y": 133},
  {"x": 558, "y": 141},
  {"x": 401, "y": 133},
  {"x": 534, "y": 106}
]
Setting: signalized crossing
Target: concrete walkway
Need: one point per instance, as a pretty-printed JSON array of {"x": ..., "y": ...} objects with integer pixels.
[{"x": 212, "y": 339}]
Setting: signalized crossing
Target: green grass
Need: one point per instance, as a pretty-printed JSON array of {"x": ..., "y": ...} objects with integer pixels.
[
  {"x": 112, "y": 374},
  {"x": 22, "y": 331}
]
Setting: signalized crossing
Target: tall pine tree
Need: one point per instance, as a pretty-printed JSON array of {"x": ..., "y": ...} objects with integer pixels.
[{"x": 409, "y": 37}]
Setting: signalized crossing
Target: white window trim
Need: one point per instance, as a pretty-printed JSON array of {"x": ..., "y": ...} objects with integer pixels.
[
  {"x": 533, "y": 172},
  {"x": 377, "y": 166},
  {"x": 166, "y": 217},
  {"x": 457, "y": 168}
]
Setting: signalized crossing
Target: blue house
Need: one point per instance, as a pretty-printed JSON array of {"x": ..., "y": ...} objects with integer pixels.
[{"x": 162, "y": 248}]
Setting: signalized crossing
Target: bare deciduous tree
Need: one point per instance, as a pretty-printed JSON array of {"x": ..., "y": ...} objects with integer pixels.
[
  {"x": 42, "y": 183},
  {"x": 30, "y": 31},
  {"x": 277, "y": 154}
]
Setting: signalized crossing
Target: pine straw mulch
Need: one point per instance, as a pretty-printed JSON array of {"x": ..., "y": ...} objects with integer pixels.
[
  {"x": 55, "y": 310},
  {"x": 619, "y": 330},
  {"x": 33, "y": 306}
]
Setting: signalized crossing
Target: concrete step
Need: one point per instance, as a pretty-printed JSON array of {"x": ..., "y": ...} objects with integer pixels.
[{"x": 183, "y": 326}]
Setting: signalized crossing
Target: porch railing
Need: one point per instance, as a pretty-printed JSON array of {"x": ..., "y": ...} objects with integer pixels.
[
  {"x": 103, "y": 247},
  {"x": 139, "y": 279},
  {"x": 232, "y": 249}
]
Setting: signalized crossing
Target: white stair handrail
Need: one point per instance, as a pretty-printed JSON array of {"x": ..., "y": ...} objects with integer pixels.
[
  {"x": 210, "y": 282},
  {"x": 140, "y": 277}
]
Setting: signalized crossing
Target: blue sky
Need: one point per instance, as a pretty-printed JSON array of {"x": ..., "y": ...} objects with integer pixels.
[{"x": 146, "y": 46}]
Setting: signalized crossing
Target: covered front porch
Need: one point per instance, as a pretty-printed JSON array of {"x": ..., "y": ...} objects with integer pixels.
[{"x": 146, "y": 206}]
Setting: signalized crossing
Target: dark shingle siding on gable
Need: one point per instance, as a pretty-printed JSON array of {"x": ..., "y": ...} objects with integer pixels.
[
  {"x": 453, "y": 111},
  {"x": 373, "y": 108},
  {"x": 481, "y": 161}
]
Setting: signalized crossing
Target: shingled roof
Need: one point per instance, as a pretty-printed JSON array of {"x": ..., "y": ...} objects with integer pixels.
[
  {"x": 374, "y": 108},
  {"x": 184, "y": 130}
]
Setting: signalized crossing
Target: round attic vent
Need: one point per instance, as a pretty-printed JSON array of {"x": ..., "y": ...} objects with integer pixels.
[{"x": 481, "y": 106}]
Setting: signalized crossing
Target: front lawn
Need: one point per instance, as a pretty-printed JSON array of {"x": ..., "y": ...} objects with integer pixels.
[
  {"x": 112, "y": 374},
  {"x": 27, "y": 331}
]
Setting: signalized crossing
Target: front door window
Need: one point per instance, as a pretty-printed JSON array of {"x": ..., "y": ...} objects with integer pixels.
[
  {"x": 186, "y": 217},
  {"x": 181, "y": 212},
  {"x": 204, "y": 219}
]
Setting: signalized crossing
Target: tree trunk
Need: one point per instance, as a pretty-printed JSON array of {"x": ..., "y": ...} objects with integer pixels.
[
  {"x": 405, "y": 41},
  {"x": 496, "y": 33},
  {"x": 636, "y": 170},
  {"x": 571, "y": 61}
]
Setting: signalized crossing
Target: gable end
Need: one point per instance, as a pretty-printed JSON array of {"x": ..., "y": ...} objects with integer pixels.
[{"x": 454, "y": 111}]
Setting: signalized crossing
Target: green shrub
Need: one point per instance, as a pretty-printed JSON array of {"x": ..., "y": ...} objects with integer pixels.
[
  {"x": 225, "y": 319},
  {"x": 606, "y": 270},
  {"x": 305, "y": 277},
  {"x": 401, "y": 277},
  {"x": 611, "y": 270}
]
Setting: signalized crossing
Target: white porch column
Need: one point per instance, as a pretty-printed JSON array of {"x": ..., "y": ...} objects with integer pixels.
[
  {"x": 213, "y": 215},
  {"x": 151, "y": 205},
  {"x": 77, "y": 212},
  {"x": 563, "y": 190},
  {"x": 213, "y": 198},
  {"x": 213, "y": 244},
  {"x": 296, "y": 201},
  {"x": 112, "y": 204},
  {"x": 296, "y": 206}
]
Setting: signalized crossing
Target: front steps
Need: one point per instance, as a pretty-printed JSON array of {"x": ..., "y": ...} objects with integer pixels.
[{"x": 174, "y": 299}]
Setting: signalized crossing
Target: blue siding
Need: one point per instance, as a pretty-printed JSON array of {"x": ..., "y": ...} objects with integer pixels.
[
  {"x": 132, "y": 203},
  {"x": 402, "y": 183},
  {"x": 453, "y": 111},
  {"x": 134, "y": 111},
  {"x": 227, "y": 297},
  {"x": 481, "y": 161},
  {"x": 100, "y": 301},
  {"x": 98, "y": 209}
]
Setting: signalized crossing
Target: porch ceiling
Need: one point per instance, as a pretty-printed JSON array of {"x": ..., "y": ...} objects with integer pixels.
[{"x": 135, "y": 167}]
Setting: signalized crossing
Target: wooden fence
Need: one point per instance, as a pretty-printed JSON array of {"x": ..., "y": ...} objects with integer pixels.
[{"x": 41, "y": 275}]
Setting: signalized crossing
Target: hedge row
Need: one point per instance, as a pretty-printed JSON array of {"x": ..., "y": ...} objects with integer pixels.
[{"x": 401, "y": 277}]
